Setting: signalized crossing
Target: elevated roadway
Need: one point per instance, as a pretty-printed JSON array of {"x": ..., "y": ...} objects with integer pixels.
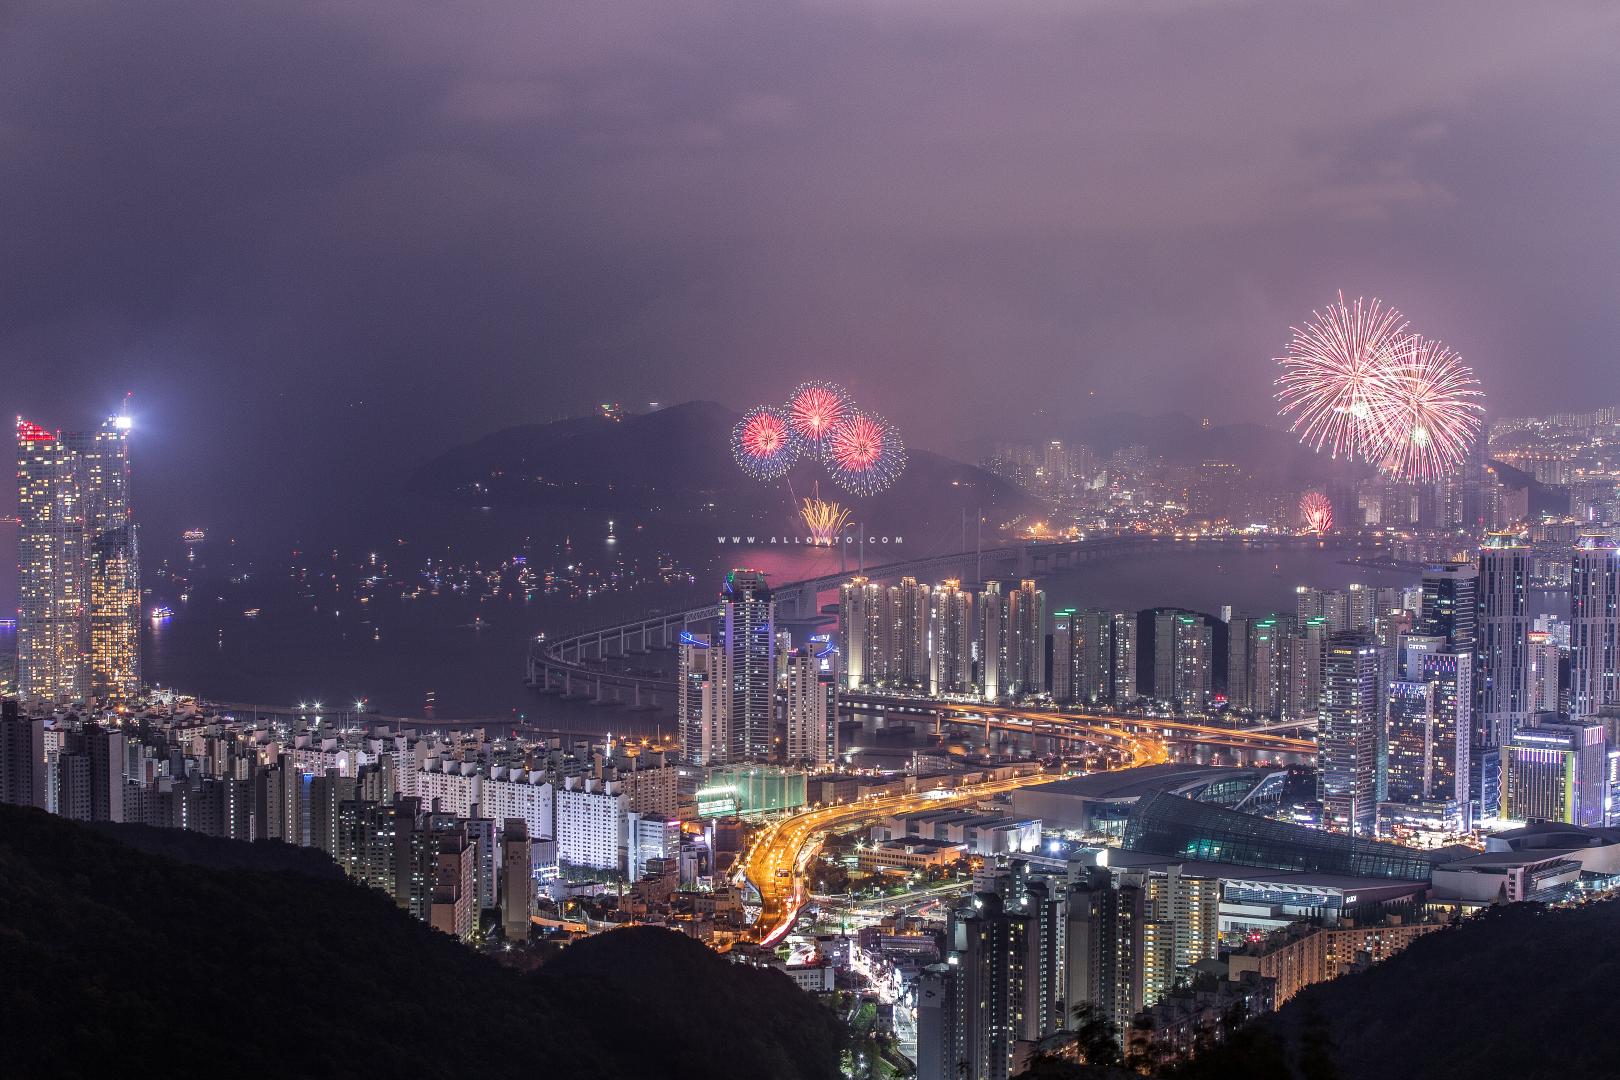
[{"x": 777, "y": 862}]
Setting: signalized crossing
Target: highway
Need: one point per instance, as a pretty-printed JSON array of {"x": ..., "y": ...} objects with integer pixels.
[
  {"x": 1068, "y": 725},
  {"x": 777, "y": 862}
]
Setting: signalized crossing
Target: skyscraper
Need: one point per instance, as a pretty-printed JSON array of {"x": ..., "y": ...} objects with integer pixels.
[
  {"x": 1239, "y": 667},
  {"x": 1450, "y": 674},
  {"x": 992, "y": 642},
  {"x": 1409, "y": 735},
  {"x": 1451, "y": 603},
  {"x": 1125, "y": 690},
  {"x": 861, "y": 638},
  {"x": 78, "y": 630},
  {"x": 906, "y": 620},
  {"x": 1305, "y": 657},
  {"x": 1348, "y": 734},
  {"x": 749, "y": 615},
  {"x": 1026, "y": 640},
  {"x": 952, "y": 635},
  {"x": 1594, "y": 631},
  {"x": 812, "y": 711},
  {"x": 1503, "y": 695},
  {"x": 1094, "y": 657},
  {"x": 699, "y": 706},
  {"x": 988, "y": 947},
  {"x": 1554, "y": 771},
  {"x": 1064, "y": 659}
]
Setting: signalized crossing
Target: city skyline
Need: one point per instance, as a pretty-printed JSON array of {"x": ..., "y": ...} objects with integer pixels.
[{"x": 817, "y": 540}]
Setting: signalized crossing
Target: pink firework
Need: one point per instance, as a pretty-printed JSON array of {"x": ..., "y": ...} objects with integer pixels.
[
  {"x": 1337, "y": 379},
  {"x": 1430, "y": 416},
  {"x": 763, "y": 444},
  {"x": 815, "y": 407},
  {"x": 1317, "y": 511},
  {"x": 864, "y": 453}
]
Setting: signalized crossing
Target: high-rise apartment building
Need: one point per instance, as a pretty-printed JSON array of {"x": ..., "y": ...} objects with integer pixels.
[
  {"x": 22, "y": 757},
  {"x": 992, "y": 642},
  {"x": 1594, "y": 630},
  {"x": 861, "y": 638},
  {"x": 1348, "y": 734},
  {"x": 1026, "y": 640},
  {"x": 517, "y": 880},
  {"x": 1182, "y": 659},
  {"x": 1259, "y": 663},
  {"x": 812, "y": 711},
  {"x": 952, "y": 634},
  {"x": 1082, "y": 656},
  {"x": 1093, "y": 648},
  {"x": 699, "y": 704},
  {"x": 974, "y": 1015},
  {"x": 1125, "y": 689},
  {"x": 907, "y": 624},
  {"x": 1305, "y": 658},
  {"x": 1064, "y": 660},
  {"x": 78, "y": 628}
]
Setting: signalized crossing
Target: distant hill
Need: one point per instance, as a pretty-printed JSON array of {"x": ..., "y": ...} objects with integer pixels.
[
  {"x": 678, "y": 461},
  {"x": 1181, "y": 439},
  {"x": 1522, "y": 991},
  {"x": 122, "y": 962}
]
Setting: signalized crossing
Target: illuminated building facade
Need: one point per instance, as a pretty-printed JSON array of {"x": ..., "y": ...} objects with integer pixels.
[
  {"x": 861, "y": 636},
  {"x": 1348, "y": 734},
  {"x": 1026, "y": 640},
  {"x": 1504, "y": 629},
  {"x": 1594, "y": 632},
  {"x": 748, "y": 675},
  {"x": 1556, "y": 772},
  {"x": 78, "y": 630},
  {"x": 952, "y": 636},
  {"x": 812, "y": 711}
]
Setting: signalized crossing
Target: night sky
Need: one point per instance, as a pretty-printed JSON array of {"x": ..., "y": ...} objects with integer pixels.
[{"x": 320, "y": 241}]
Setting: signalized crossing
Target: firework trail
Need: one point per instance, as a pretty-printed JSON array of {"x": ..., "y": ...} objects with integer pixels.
[
  {"x": 763, "y": 443},
  {"x": 1428, "y": 420},
  {"x": 1337, "y": 379},
  {"x": 823, "y": 518},
  {"x": 1317, "y": 510},
  {"x": 864, "y": 453}
]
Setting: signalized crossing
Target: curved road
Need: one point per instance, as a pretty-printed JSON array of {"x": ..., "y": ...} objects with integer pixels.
[{"x": 777, "y": 861}]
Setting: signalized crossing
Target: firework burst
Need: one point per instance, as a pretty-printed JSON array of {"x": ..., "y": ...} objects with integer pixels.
[
  {"x": 864, "y": 453},
  {"x": 1337, "y": 377},
  {"x": 764, "y": 444},
  {"x": 814, "y": 408},
  {"x": 1317, "y": 510},
  {"x": 823, "y": 518},
  {"x": 1428, "y": 420}
]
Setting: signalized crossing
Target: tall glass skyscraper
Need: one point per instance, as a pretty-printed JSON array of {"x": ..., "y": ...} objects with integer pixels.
[
  {"x": 1594, "y": 627},
  {"x": 1347, "y": 734},
  {"x": 1504, "y": 638},
  {"x": 750, "y": 674},
  {"x": 78, "y": 626}
]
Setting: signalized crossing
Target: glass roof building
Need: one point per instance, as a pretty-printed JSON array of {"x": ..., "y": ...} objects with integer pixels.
[{"x": 1166, "y": 824}]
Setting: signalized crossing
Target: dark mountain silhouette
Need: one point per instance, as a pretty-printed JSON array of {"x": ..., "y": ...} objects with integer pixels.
[
  {"x": 678, "y": 461},
  {"x": 122, "y": 962},
  {"x": 1523, "y": 991}
]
